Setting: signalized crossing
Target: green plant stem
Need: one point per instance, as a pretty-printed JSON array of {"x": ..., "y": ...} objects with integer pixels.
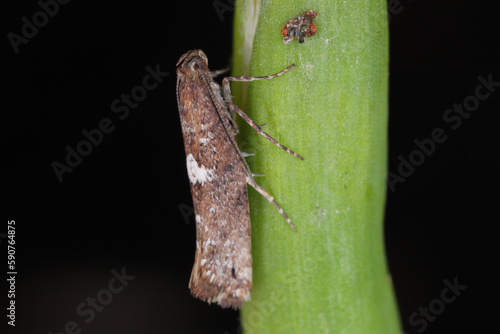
[{"x": 331, "y": 276}]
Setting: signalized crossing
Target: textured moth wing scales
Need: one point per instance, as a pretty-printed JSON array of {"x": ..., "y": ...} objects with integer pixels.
[
  {"x": 222, "y": 272},
  {"x": 218, "y": 176}
]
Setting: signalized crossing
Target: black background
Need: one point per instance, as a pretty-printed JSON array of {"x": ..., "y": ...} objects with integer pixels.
[{"x": 120, "y": 207}]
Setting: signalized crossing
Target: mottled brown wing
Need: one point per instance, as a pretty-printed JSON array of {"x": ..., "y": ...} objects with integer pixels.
[{"x": 222, "y": 271}]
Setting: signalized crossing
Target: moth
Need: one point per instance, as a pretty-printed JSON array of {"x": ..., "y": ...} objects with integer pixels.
[{"x": 218, "y": 175}]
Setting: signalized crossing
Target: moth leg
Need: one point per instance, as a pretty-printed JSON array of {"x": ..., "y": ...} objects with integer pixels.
[
  {"x": 227, "y": 89},
  {"x": 216, "y": 73},
  {"x": 231, "y": 116},
  {"x": 259, "y": 131},
  {"x": 233, "y": 108},
  {"x": 270, "y": 198}
]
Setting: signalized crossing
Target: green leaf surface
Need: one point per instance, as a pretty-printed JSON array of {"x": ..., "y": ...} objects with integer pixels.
[{"x": 331, "y": 276}]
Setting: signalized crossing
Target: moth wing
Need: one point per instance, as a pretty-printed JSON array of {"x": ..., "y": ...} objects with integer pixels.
[{"x": 222, "y": 271}]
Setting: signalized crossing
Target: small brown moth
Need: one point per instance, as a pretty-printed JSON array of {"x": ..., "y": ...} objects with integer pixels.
[{"x": 218, "y": 175}]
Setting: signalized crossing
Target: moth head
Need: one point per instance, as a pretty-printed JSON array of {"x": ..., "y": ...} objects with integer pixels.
[{"x": 193, "y": 61}]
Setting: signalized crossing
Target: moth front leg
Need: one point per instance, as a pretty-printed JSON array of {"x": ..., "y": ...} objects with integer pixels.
[
  {"x": 227, "y": 88},
  {"x": 216, "y": 73}
]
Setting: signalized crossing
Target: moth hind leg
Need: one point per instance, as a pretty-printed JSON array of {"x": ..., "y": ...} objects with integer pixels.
[
  {"x": 270, "y": 198},
  {"x": 232, "y": 108}
]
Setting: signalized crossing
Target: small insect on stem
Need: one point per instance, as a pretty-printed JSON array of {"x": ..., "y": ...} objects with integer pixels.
[
  {"x": 218, "y": 175},
  {"x": 302, "y": 26}
]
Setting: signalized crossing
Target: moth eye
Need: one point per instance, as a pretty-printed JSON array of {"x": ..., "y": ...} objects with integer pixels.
[{"x": 202, "y": 66}]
